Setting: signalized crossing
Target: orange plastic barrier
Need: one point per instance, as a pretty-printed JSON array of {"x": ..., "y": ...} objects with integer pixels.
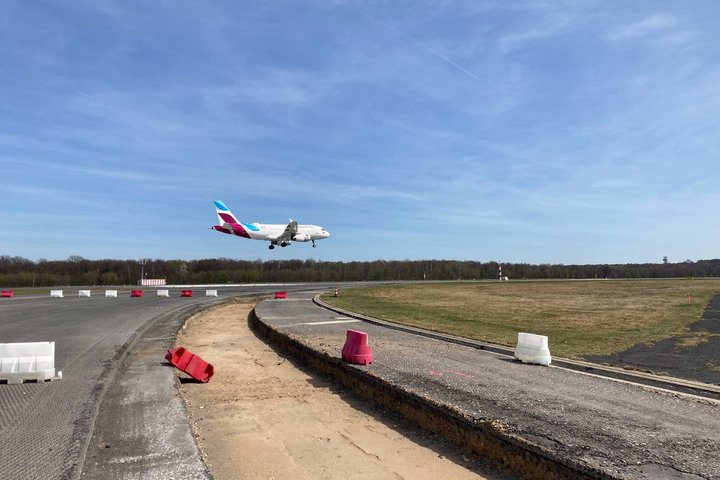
[
  {"x": 186, "y": 293},
  {"x": 136, "y": 293},
  {"x": 356, "y": 349},
  {"x": 190, "y": 363},
  {"x": 7, "y": 294},
  {"x": 280, "y": 295}
]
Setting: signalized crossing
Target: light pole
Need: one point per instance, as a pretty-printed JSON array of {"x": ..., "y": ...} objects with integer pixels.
[{"x": 142, "y": 270}]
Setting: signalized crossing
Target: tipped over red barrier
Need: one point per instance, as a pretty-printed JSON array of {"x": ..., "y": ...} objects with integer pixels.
[
  {"x": 7, "y": 294},
  {"x": 356, "y": 349},
  {"x": 190, "y": 363},
  {"x": 136, "y": 293},
  {"x": 186, "y": 293},
  {"x": 280, "y": 295}
]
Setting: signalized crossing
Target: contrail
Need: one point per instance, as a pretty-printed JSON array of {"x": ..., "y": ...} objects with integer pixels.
[
  {"x": 416, "y": 42},
  {"x": 442, "y": 57}
]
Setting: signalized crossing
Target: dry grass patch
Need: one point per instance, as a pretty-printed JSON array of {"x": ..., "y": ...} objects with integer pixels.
[
  {"x": 692, "y": 340},
  {"x": 580, "y": 317}
]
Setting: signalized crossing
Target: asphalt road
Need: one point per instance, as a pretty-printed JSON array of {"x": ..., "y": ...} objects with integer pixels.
[
  {"x": 45, "y": 428},
  {"x": 622, "y": 429}
]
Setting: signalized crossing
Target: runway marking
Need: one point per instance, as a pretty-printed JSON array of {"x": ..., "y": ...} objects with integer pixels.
[
  {"x": 329, "y": 322},
  {"x": 440, "y": 373}
]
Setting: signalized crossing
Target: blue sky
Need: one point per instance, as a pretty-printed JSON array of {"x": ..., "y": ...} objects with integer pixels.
[{"x": 539, "y": 131}]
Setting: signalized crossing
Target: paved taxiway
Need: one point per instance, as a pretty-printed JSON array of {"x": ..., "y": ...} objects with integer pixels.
[
  {"x": 617, "y": 428},
  {"x": 45, "y": 427}
]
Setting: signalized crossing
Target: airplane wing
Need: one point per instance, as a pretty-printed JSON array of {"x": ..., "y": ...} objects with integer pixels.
[{"x": 289, "y": 232}]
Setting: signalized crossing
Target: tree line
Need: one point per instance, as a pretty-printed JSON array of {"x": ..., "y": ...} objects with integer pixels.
[{"x": 76, "y": 270}]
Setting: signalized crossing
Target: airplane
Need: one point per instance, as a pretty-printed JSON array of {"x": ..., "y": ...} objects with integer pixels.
[{"x": 282, "y": 235}]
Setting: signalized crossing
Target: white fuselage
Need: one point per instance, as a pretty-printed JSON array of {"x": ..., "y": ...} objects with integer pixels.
[{"x": 268, "y": 231}]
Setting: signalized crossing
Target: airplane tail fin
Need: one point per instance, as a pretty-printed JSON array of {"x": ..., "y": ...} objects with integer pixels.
[{"x": 224, "y": 214}]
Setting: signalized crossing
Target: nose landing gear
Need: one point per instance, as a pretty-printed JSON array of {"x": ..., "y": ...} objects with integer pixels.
[{"x": 271, "y": 246}]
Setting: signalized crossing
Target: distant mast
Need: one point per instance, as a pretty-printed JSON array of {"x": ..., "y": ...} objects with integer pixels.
[{"x": 500, "y": 275}]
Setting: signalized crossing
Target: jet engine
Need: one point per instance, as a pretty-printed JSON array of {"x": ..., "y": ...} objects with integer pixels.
[{"x": 301, "y": 237}]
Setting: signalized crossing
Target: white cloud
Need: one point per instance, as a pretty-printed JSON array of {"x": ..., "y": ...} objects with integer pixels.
[{"x": 649, "y": 26}]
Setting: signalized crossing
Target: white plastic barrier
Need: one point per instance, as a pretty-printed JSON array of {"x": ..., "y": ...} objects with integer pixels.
[
  {"x": 211, "y": 293},
  {"x": 110, "y": 293},
  {"x": 84, "y": 293},
  {"x": 163, "y": 293},
  {"x": 28, "y": 361},
  {"x": 533, "y": 348},
  {"x": 56, "y": 294}
]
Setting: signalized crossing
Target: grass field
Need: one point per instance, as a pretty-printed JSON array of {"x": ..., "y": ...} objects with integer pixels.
[
  {"x": 29, "y": 291},
  {"x": 598, "y": 317}
]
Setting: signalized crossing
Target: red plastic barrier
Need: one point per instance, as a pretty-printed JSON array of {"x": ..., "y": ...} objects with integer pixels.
[
  {"x": 280, "y": 295},
  {"x": 356, "y": 349},
  {"x": 190, "y": 363},
  {"x": 136, "y": 293},
  {"x": 7, "y": 294},
  {"x": 186, "y": 293}
]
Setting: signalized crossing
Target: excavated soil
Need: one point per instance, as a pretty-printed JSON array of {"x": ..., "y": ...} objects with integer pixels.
[{"x": 261, "y": 416}]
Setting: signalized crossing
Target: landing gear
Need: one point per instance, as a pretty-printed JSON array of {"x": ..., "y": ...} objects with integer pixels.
[
  {"x": 313, "y": 243},
  {"x": 271, "y": 246}
]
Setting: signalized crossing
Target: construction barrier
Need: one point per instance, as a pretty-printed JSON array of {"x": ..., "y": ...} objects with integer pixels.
[
  {"x": 163, "y": 293},
  {"x": 28, "y": 361},
  {"x": 356, "y": 349},
  {"x": 7, "y": 294},
  {"x": 186, "y": 293},
  {"x": 136, "y": 293},
  {"x": 110, "y": 293},
  {"x": 56, "y": 294},
  {"x": 533, "y": 348},
  {"x": 190, "y": 363},
  {"x": 280, "y": 295},
  {"x": 211, "y": 293},
  {"x": 84, "y": 293}
]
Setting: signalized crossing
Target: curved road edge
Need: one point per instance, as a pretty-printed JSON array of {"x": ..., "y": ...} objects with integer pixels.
[
  {"x": 674, "y": 384},
  {"x": 482, "y": 437},
  {"x": 140, "y": 427}
]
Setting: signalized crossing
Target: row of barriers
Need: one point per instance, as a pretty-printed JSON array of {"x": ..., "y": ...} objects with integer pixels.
[
  {"x": 36, "y": 360},
  {"x": 113, "y": 293}
]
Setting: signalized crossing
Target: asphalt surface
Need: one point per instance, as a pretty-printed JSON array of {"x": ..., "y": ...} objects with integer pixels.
[
  {"x": 621, "y": 429},
  {"x": 700, "y": 362},
  {"x": 46, "y": 428}
]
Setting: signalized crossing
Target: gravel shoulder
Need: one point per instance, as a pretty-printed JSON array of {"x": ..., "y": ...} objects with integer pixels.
[{"x": 261, "y": 416}]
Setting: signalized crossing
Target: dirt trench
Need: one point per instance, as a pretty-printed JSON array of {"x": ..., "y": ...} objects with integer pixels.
[{"x": 263, "y": 417}]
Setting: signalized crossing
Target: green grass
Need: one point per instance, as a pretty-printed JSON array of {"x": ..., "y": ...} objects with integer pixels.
[
  {"x": 29, "y": 291},
  {"x": 579, "y": 317}
]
